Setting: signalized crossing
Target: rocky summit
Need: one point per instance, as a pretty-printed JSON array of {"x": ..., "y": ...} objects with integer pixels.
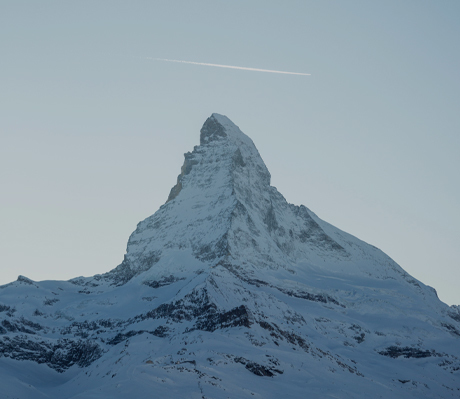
[{"x": 229, "y": 291}]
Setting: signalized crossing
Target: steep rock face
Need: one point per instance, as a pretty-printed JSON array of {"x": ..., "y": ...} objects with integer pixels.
[{"x": 225, "y": 285}]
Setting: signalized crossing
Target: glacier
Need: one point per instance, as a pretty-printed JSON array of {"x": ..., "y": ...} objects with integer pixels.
[{"x": 229, "y": 291}]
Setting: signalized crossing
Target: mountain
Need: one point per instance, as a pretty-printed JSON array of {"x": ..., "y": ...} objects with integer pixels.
[{"x": 228, "y": 291}]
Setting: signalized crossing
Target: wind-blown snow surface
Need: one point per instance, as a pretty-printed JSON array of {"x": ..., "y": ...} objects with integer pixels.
[{"x": 228, "y": 291}]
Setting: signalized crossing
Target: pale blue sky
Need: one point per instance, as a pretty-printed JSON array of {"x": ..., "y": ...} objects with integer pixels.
[{"x": 93, "y": 134}]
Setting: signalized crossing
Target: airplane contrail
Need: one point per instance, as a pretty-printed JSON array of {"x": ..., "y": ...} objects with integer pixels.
[{"x": 228, "y": 66}]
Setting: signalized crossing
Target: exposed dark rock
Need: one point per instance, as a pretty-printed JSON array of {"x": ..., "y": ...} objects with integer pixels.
[
  {"x": 324, "y": 298},
  {"x": 280, "y": 334},
  {"x": 86, "y": 328},
  {"x": 211, "y": 130},
  {"x": 80, "y": 329},
  {"x": 236, "y": 317},
  {"x": 258, "y": 369},
  {"x": 16, "y": 327},
  {"x": 59, "y": 356},
  {"x": 196, "y": 306},
  {"x": 50, "y": 302},
  {"x": 359, "y": 338},
  {"x": 256, "y": 282},
  {"x": 185, "y": 170},
  {"x": 25, "y": 280},
  {"x": 407, "y": 352},
  {"x": 120, "y": 337},
  {"x": 270, "y": 219},
  {"x": 149, "y": 298},
  {"x": 31, "y": 324},
  {"x": 193, "y": 305},
  {"x": 162, "y": 282},
  {"x": 314, "y": 234},
  {"x": 160, "y": 331},
  {"x": 4, "y": 308},
  {"x": 455, "y": 316},
  {"x": 210, "y": 252},
  {"x": 123, "y": 337},
  {"x": 126, "y": 271},
  {"x": 266, "y": 326},
  {"x": 82, "y": 281},
  {"x": 451, "y": 329},
  {"x": 238, "y": 159}
]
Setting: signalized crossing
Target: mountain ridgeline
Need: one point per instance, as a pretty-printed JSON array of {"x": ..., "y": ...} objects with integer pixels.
[{"x": 228, "y": 291}]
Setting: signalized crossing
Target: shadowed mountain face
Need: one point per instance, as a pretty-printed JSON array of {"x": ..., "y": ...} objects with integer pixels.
[{"x": 229, "y": 291}]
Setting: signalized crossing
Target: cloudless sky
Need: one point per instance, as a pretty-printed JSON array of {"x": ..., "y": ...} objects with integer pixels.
[{"x": 93, "y": 133}]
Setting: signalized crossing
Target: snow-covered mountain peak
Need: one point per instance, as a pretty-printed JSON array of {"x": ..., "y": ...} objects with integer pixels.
[
  {"x": 230, "y": 291},
  {"x": 219, "y": 131},
  {"x": 224, "y": 211},
  {"x": 219, "y": 179},
  {"x": 219, "y": 127},
  {"x": 223, "y": 149}
]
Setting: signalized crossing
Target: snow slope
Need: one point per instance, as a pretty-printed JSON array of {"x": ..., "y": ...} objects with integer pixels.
[{"x": 228, "y": 291}]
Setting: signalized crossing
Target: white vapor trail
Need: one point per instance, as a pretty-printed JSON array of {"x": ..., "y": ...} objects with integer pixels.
[{"x": 228, "y": 66}]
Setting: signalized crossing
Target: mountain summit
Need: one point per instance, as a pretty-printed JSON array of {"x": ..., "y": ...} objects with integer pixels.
[{"x": 230, "y": 291}]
